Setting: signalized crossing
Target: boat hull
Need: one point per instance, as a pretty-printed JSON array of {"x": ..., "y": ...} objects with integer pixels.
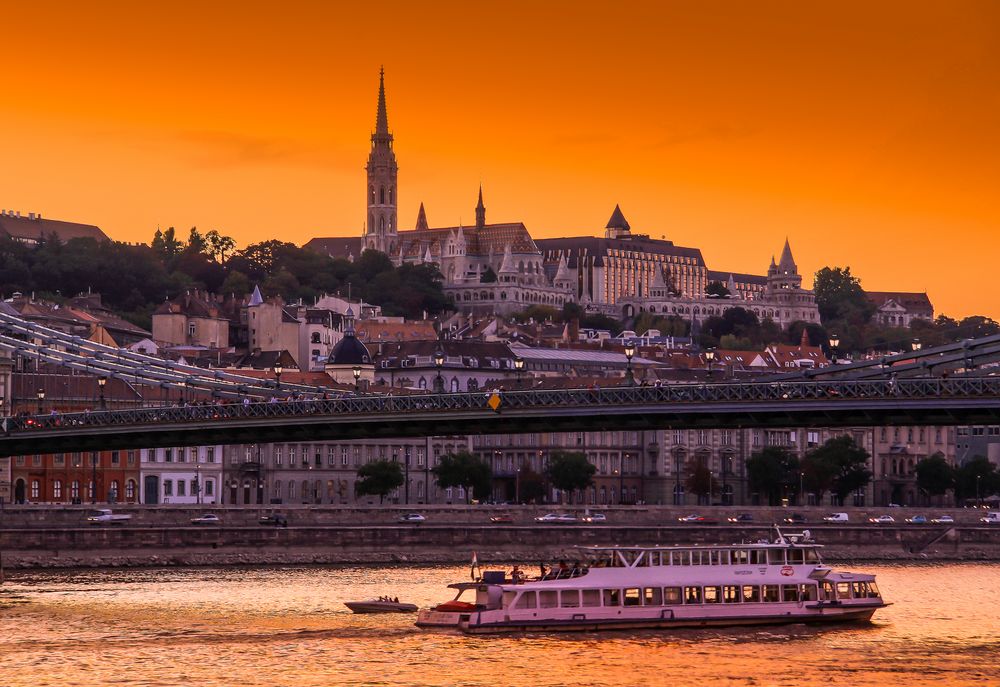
[
  {"x": 820, "y": 617},
  {"x": 429, "y": 618},
  {"x": 379, "y": 607}
]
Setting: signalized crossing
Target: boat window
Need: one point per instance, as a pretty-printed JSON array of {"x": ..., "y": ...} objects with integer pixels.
[
  {"x": 654, "y": 558},
  {"x": 671, "y": 596},
  {"x": 508, "y": 597},
  {"x": 548, "y": 599},
  {"x": 776, "y": 556},
  {"x": 526, "y": 600},
  {"x": 741, "y": 557},
  {"x": 591, "y": 597},
  {"x": 790, "y": 592},
  {"x": 632, "y": 597},
  {"x": 873, "y": 591},
  {"x": 758, "y": 557},
  {"x": 796, "y": 557},
  {"x": 680, "y": 558},
  {"x": 751, "y": 593},
  {"x": 860, "y": 590},
  {"x": 569, "y": 598},
  {"x": 807, "y": 592},
  {"x": 652, "y": 596},
  {"x": 692, "y": 595},
  {"x": 723, "y": 557},
  {"x": 843, "y": 590},
  {"x": 827, "y": 591},
  {"x": 770, "y": 593},
  {"x": 731, "y": 594},
  {"x": 812, "y": 556},
  {"x": 696, "y": 557},
  {"x": 713, "y": 595},
  {"x": 612, "y": 597}
]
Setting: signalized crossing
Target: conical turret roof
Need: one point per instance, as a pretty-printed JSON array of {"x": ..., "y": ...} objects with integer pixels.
[
  {"x": 617, "y": 220},
  {"x": 787, "y": 263},
  {"x": 422, "y": 219},
  {"x": 507, "y": 266}
]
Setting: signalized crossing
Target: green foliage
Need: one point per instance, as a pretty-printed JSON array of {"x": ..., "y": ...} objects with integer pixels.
[
  {"x": 538, "y": 313},
  {"x": 772, "y": 471},
  {"x": 717, "y": 288},
  {"x": 488, "y": 277},
  {"x": 378, "y": 478},
  {"x": 571, "y": 311},
  {"x": 668, "y": 325},
  {"x": 816, "y": 334},
  {"x": 840, "y": 298},
  {"x": 570, "y": 470},
  {"x": 934, "y": 475},
  {"x": 839, "y": 465},
  {"x": 597, "y": 321},
  {"x": 976, "y": 479},
  {"x": 530, "y": 486},
  {"x": 700, "y": 480},
  {"x": 463, "y": 469}
]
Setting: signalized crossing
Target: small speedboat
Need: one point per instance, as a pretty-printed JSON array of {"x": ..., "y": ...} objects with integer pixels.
[{"x": 380, "y": 606}]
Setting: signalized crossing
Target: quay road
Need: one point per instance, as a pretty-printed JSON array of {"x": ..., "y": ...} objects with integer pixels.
[
  {"x": 909, "y": 401},
  {"x": 161, "y": 535}
]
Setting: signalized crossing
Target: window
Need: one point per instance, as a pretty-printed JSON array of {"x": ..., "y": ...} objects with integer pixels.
[
  {"x": 731, "y": 594},
  {"x": 789, "y": 592},
  {"x": 713, "y": 595},
  {"x": 652, "y": 596},
  {"x": 181, "y": 488},
  {"x": 770, "y": 593},
  {"x": 526, "y": 600},
  {"x": 843, "y": 590},
  {"x": 751, "y": 593},
  {"x": 130, "y": 458},
  {"x": 130, "y": 489},
  {"x": 60, "y": 460},
  {"x": 115, "y": 458},
  {"x": 57, "y": 489},
  {"x": 591, "y": 597},
  {"x": 612, "y": 597},
  {"x": 210, "y": 454},
  {"x": 35, "y": 488},
  {"x": 168, "y": 487},
  {"x": 548, "y": 599},
  {"x": 692, "y": 595},
  {"x": 74, "y": 489},
  {"x": 807, "y": 592},
  {"x": 570, "y": 599},
  {"x": 632, "y": 597},
  {"x": 209, "y": 487},
  {"x": 168, "y": 455}
]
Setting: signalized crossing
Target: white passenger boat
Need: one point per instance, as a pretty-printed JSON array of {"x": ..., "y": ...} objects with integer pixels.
[{"x": 629, "y": 588}]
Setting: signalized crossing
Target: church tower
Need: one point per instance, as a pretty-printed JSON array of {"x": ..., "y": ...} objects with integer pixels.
[{"x": 380, "y": 228}]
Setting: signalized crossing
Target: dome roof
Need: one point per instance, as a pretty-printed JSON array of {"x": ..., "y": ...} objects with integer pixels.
[{"x": 350, "y": 351}]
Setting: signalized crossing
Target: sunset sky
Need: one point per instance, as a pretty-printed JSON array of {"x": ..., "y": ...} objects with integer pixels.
[{"x": 868, "y": 133}]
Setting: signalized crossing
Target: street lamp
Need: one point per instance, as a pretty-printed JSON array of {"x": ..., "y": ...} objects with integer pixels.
[
  {"x": 439, "y": 363},
  {"x": 41, "y": 397},
  {"x": 519, "y": 366},
  {"x": 357, "y": 377},
  {"x": 801, "y": 486},
  {"x": 916, "y": 345},
  {"x": 834, "y": 344},
  {"x": 93, "y": 476},
  {"x": 101, "y": 381},
  {"x": 197, "y": 482},
  {"x": 277, "y": 375},
  {"x": 629, "y": 352},
  {"x": 182, "y": 384},
  {"x": 978, "y": 501},
  {"x": 709, "y": 359}
]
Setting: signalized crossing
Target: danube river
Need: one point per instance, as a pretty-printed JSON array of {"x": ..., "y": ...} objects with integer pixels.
[{"x": 287, "y": 626}]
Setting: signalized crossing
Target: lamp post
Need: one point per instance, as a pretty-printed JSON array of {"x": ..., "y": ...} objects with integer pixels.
[
  {"x": 834, "y": 343},
  {"x": 978, "y": 501},
  {"x": 629, "y": 352},
  {"x": 277, "y": 375},
  {"x": 439, "y": 363},
  {"x": 406, "y": 474},
  {"x": 93, "y": 476},
  {"x": 40, "y": 394},
  {"x": 801, "y": 486},
  {"x": 709, "y": 359},
  {"x": 101, "y": 381},
  {"x": 357, "y": 378},
  {"x": 197, "y": 482},
  {"x": 519, "y": 367}
]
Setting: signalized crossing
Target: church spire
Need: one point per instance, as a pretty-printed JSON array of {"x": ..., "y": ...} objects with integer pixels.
[
  {"x": 786, "y": 264},
  {"x": 422, "y": 218},
  {"x": 381, "y": 118},
  {"x": 480, "y": 210}
]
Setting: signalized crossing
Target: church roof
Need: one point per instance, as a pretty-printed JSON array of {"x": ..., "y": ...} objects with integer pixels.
[
  {"x": 617, "y": 220},
  {"x": 478, "y": 240},
  {"x": 350, "y": 351},
  {"x": 337, "y": 246}
]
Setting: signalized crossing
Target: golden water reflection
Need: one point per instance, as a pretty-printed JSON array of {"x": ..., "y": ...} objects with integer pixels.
[{"x": 288, "y": 626}]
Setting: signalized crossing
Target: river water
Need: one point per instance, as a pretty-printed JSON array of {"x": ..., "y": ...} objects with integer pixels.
[{"x": 287, "y": 626}]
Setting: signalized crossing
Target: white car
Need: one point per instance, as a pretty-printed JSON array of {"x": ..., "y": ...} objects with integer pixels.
[
  {"x": 943, "y": 519},
  {"x": 207, "y": 519},
  {"x": 412, "y": 517},
  {"x": 692, "y": 518},
  {"x": 556, "y": 517},
  {"x": 595, "y": 517},
  {"x": 882, "y": 519}
]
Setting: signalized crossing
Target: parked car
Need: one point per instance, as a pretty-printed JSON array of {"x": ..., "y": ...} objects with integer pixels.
[
  {"x": 943, "y": 520},
  {"x": 556, "y": 517},
  {"x": 742, "y": 517},
  {"x": 274, "y": 519},
  {"x": 917, "y": 520},
  {"x": 104, "y": 516},
  {"x": 692, "y": 518},
  {"x": 412, "y": 517},
  {"x": 501, "y": 518},
  {"x": 595, "y": 517},
  {"x": 796, "y": 519},
  {"x": 207, "y": 519},
  {"x": 836, "y": 517},
  {"x": 991, "y": 518},
  {"x": 882, "y": 520}
]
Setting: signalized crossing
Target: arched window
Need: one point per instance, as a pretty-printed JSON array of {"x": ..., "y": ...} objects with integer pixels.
[
  {"x": 381, "y": 195},
  {"x": 130, "y": 489},
  {"x": 74, "y": 489},
  {"x": 472, "y": 384},
  {"x": 390, "y": 195},
  {"x": 422, "y": 384},
  {"x": 277, "y": 488},
  {"x": 113, "y": 489},
  {"x": 315, "y": 338},
  {"x": 57, "y": 489},
  {"x": 454, "y": 384},
  {"x": 36, "y": 488},
  {"x": 371, "y": 195},
  {"x": 291, "y": 489}
]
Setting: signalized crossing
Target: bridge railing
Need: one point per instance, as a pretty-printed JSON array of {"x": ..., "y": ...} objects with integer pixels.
[{"x": 693, "y": 394}]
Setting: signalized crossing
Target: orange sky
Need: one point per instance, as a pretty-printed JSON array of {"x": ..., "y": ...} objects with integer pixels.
[{"x": 868, "y": 133}]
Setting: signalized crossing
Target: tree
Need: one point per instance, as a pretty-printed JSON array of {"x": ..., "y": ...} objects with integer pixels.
[
  {"x": 975, "y": 480},
  {"x": 464, "y": 469},
  {"x": 488, "y": 277},
  {"x": 378, "y": 478},
  {"x": 841, "y": 464},
  {"x": 717, "y": 288},
  {"x": 772, "y": 471},
  {"x": 196, "y": 242},
  {"x": 530, "y": 486},
  {"x": 219, "y": 246},
  {"x": 598, "y": 321},
  {"x": 570, "y": 470},
  {"x": 934, "y": 475},
  {"x": 700, "y": 481},
  {"x": 840, "y": 298}
]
